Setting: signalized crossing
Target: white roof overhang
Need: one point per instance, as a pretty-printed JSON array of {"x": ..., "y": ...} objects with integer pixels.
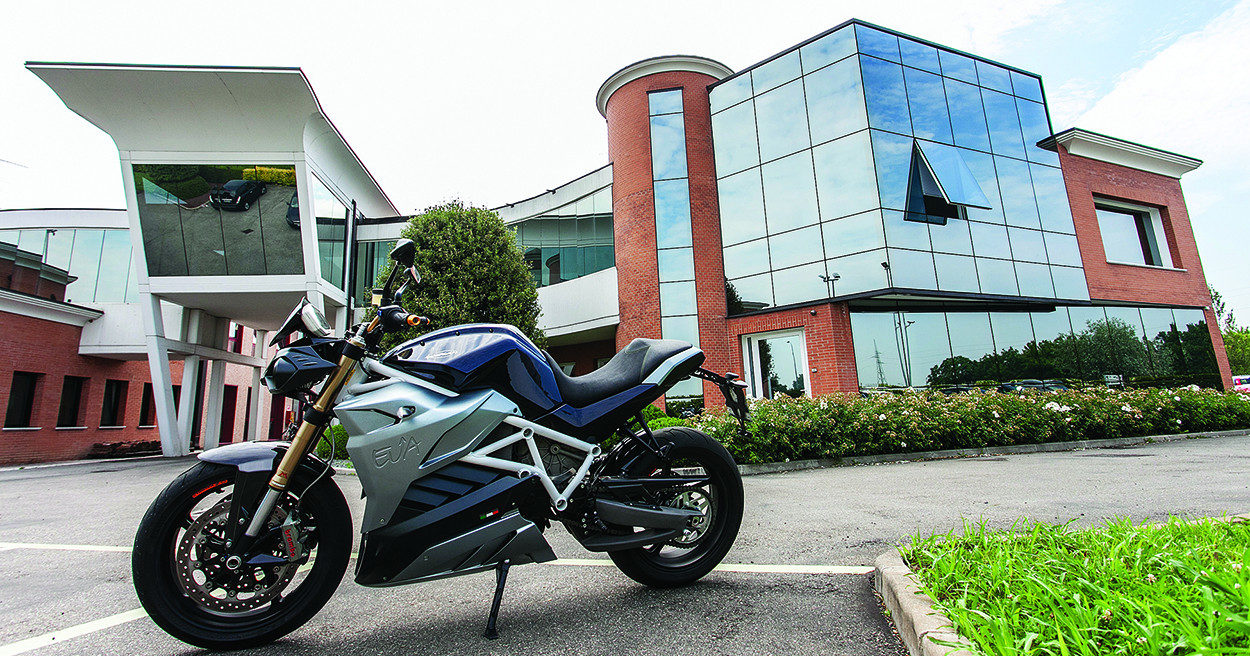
[
  {"x": 189, "y": 109},
  {"x": 1112, "y": 150}
]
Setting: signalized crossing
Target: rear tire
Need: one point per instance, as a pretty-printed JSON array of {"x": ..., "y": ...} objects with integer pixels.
[
  {"x": 652, "y": 566},
  {"x": 155, "y": 564}
]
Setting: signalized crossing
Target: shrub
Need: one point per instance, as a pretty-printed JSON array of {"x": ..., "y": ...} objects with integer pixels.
[
  {"x": 840, "y": 425},
  {"x": 336, "y": 437},
  {"x": 271, "y": 175},
  {"x": 187, "y": 189},
  {"x": 221, "y": 173}
]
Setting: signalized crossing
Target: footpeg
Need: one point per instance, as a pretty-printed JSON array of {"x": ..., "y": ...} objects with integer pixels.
[{"x": 501, "y": 577}]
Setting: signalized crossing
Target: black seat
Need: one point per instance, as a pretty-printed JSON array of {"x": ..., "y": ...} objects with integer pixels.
[{"x": 626, "y": 369}]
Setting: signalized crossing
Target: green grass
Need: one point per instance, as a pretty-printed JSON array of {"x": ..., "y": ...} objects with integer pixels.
[{"x": 1175, "y": 588}]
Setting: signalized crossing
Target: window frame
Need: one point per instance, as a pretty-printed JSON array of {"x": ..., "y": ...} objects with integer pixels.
[
  {"x": 118, "y": 390},
  {"x": 30, "y": 412},
  {"x": 1144, "y": 214},
  {"x": 751, "y": 359}
]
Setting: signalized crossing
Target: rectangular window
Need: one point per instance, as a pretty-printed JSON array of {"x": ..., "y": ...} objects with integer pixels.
[
  {"x": 21, "y": 400},
  {"x": 70, "y": 413},
  {"x": 147, "y": 406},
  {"x": 776, "y": 363},
  {"x": 114, "y": 411},
  {"x": 1132, "y": 234}
]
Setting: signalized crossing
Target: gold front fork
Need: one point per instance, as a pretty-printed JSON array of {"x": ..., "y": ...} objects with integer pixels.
[{"x": 304, "y": 439}]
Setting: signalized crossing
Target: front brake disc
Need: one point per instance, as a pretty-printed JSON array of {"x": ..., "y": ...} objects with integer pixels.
[{"x": 200, "y": 562}]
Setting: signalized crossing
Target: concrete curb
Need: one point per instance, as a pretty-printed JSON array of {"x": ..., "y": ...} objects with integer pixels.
[
  {"x": 916, "y": 456},
  {"x": 917, "y": 621},
  {"x": 1079, "y": 445}
]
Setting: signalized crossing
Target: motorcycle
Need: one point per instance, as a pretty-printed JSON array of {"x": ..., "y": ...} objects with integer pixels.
[{"x": 469, "y": 443}]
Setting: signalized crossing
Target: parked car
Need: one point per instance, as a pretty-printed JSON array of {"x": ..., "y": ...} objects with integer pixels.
[
  {"x": 1242, "y": 383},
  {"x": 292, "y": 210},
  {"x": 236, "y": 194}
]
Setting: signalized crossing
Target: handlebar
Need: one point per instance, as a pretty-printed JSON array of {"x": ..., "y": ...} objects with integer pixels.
[{"x": 393, "y": 317}]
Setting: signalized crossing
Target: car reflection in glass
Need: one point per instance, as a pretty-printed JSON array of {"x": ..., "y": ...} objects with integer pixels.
[
  {"x": 236, "y": 195},
  {"x": 292, "y": 211}
]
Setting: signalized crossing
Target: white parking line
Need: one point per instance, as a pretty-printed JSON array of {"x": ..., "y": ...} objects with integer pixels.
[
  {"x": 69, "y": 633},
  {"x": 61, "y": 547},
  {"x": 740, "y": 568}
]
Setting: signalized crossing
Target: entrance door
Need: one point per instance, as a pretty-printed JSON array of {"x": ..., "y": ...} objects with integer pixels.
[
  {"x": 776, "y": 363},
  {"x": 229, "y": 399}
]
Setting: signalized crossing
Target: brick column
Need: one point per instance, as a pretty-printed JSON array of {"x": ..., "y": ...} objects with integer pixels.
[{"x": 633, "y": 205}]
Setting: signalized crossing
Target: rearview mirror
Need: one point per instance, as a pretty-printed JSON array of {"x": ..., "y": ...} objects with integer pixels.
[{"x": 404, "y": 252}]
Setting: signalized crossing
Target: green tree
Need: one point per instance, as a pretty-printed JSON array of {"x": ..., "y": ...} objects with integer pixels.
[
  {"x": 1238, "y": 346},
  {"x": 471, "y": 272},
  {"x": 1223, "y": 314}
]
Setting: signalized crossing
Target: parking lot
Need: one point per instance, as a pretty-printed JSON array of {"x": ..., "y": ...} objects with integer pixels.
[{"x": 796, "y": 581}]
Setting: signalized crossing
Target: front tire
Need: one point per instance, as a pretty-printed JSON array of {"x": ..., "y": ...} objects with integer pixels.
[
  {"x": 690, "y": 557},
  {"x": 187, "y": 592}
]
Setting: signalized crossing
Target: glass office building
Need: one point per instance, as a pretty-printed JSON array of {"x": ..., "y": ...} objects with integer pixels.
[{"x": 864, "y": 163}]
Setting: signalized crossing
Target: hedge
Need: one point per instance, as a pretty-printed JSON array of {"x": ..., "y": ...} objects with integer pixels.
[
  {"x": 837, "y": 425},
  {"x": 271, "y": 175}
]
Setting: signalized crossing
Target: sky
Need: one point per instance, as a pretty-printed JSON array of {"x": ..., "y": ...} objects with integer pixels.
[{"x": 491, "y": 102}]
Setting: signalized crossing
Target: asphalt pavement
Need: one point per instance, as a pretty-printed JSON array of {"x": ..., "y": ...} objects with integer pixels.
[{"x": 65, "y": 533}]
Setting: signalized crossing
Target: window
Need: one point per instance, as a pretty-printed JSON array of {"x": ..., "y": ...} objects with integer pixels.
[
  {"x": 147, "y": 407},
  {"x": 776, "y": 363},
  {"x": 209, "y": 220},
  {"x": 70, "y": 413},
  {"x": 941, "y": 185},
  {"x": 1132, "y": 234},
  {"x": 114, "y": 411},
  {"x": 567, "y": 368},
  {"x": 21, "y": 400}
]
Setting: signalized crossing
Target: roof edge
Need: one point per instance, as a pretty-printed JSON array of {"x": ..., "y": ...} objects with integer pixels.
[
  {"x": 653, "y": 65},
  {"x": 1113, "y": 150}
]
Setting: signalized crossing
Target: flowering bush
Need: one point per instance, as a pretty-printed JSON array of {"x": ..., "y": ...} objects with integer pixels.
[{"x": 840, "y": 425}]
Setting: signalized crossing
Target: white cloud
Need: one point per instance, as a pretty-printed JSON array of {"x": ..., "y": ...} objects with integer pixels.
[{"x": 1193, "y": 97}]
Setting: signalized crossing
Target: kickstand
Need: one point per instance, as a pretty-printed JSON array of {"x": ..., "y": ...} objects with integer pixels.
[{"x": 501, "y": 577}]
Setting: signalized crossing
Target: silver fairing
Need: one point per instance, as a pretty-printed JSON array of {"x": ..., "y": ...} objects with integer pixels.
[{"x": 400, "y": 432}]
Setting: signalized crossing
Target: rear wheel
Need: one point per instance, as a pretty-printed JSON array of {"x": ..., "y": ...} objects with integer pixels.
[
  {"x": 197, "y": 592},
  {"x": 688, "y": 557}
]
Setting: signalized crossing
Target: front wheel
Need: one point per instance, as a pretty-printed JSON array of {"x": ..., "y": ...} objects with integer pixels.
[
  {"x": 700, "y": 548},
  {"x": 194, "y": 590}
]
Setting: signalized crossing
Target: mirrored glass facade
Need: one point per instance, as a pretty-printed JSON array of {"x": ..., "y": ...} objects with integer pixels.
[
  {"x": 1133, "y": 346},
  {"x": 218, "y": 220},
  {"x": 569, "y": 241},
  {"x": 673, "y": 236},
  {"x": 888, "y": 163},
  {"x": 98, "y": 262},
  {"x": 333, "y": 218}
]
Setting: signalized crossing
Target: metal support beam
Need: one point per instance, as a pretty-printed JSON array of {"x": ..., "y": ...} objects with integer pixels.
[
  {"x": 213, "y": 403},
  {"x": 162, "y": 382}
]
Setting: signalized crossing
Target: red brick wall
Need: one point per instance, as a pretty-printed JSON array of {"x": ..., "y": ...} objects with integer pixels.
[
  {"x": 1089, "y": 178},
  {"x": 51, "y": 349},
  {"x": 584, "y": 355},
  {"x": 633, "y": 206}
]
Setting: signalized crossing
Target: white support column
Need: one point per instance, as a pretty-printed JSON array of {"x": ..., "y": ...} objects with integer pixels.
[
  {"x": 213, "y": 402},
  {"x": 186, "y": 400},
  {"x": 254, "y": 430},
  {"x": 162, "y": 382}
]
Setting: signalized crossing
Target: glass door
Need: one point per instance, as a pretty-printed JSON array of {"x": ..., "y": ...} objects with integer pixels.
[{"x": 776, "y": 363}]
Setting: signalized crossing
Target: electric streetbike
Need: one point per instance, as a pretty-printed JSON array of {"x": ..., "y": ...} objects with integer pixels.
[{"x": 469, "y": 443}]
